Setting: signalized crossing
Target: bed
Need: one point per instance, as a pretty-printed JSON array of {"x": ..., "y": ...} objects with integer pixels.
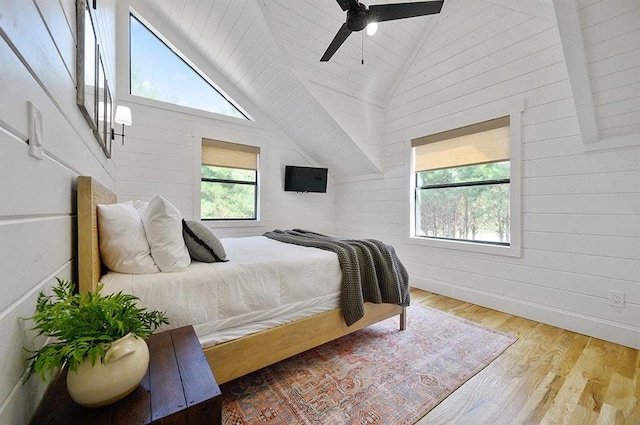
[{"x": 232, "y": 357}]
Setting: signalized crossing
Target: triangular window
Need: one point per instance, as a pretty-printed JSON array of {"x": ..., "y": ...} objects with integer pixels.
[{"x": 159, "y": 73}]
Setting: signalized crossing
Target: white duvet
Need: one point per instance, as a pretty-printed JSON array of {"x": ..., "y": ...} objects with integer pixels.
[{"x": 265, "y": 283}]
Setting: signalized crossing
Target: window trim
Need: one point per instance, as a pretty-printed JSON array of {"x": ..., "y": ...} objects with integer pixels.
[
  {"x": 131, "y": 13},
  {"x": 513, "y": 109}
]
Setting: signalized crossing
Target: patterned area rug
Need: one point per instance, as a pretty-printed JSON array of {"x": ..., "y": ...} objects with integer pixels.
[{"x": 378, "y": 375}]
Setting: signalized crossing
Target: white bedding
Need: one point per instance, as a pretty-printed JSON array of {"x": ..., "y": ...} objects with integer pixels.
[{"x": 265, "y": 283}]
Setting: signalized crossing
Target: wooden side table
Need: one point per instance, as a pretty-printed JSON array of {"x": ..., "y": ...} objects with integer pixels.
[{"x": 179, "y": 388}]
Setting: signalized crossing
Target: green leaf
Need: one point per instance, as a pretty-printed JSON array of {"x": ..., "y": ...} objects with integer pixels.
[{"x": 83, "y": 326}]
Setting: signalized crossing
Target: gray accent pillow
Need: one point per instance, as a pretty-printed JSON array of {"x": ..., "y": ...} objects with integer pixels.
[{"x": 202, "y": 244}]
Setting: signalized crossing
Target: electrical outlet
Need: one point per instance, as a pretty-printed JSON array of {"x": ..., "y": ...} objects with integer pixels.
[{"x": 616, "y": 298}]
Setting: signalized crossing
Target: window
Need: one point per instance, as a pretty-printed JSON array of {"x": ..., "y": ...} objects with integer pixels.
[
  {"x": 229, "y": 181},
  {"x": 462, "y": 184},
  {"x": 157, "y": 72}
]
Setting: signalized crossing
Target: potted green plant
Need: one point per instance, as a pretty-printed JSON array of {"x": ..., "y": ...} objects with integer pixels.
[{"x": 99, "y": 337}]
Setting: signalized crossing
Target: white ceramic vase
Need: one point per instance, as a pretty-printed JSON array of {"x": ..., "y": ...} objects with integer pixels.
[{"x": 106, "y": 382}]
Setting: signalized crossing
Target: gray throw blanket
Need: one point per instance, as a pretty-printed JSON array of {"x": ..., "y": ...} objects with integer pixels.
[{"x": 371, "y": 270}]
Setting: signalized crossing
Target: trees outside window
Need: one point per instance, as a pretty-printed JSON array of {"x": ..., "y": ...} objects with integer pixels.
[
  {"x": 228, "y": 193},
  {"x": 466, "y": 203}
]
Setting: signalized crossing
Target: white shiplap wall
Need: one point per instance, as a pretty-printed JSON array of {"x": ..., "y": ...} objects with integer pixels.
[
  {"x": 37, "y": 197},
  {"x": 581, "y": 211}
]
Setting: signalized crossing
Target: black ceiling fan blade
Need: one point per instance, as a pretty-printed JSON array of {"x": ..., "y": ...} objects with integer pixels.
[
  {"x": 340, "y": 37},
  {"x": 346, "y": 4},
  {"x": 390, "y": 12}
]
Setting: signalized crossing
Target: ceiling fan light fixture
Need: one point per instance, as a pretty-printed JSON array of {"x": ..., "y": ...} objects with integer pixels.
[
  {"x": 372, "y": 28},
  {"x": 359, "y": 17}
]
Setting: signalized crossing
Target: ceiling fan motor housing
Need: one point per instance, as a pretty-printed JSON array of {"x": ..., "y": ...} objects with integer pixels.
[{"x": 357, "y": 17}]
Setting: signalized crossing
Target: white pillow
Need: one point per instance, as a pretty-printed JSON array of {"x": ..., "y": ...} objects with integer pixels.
[
  {"x": 123, "y": 243},
  {"x": 163, "y": 226}
]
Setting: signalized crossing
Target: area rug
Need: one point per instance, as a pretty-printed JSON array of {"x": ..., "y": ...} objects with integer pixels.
[{"x": 377, "y": 375}]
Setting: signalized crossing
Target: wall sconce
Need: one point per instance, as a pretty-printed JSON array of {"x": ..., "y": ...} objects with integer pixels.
[{"x": 123, "y": 116}]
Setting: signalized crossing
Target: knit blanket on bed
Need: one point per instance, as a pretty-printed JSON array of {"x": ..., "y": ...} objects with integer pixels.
[{"x": 371, "y": 270}]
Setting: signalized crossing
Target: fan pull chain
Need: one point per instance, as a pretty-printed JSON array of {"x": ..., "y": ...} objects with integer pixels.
[{"x": 362, "y": 49}]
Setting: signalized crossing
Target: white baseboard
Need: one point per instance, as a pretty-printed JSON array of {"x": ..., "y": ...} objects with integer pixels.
[{"x": 583, "y": 324}]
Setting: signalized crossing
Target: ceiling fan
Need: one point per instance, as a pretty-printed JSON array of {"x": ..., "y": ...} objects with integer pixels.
[{"x": 359, "y": 16}]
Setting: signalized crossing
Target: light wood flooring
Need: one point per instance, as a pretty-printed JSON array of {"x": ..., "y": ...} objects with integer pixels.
[{"x": 549, "y": 376}]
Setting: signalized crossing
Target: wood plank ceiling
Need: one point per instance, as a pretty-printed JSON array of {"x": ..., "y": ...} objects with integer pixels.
[{"x": 270, "y": 49}]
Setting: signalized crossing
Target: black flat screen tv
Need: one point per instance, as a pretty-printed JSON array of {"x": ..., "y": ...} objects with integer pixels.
[{"x": 305, "y": 179}]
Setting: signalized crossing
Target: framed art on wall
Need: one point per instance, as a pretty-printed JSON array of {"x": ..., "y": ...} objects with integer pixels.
[
  {"x": 93, "y": 95},
  {"x": 108, "y": 120},
  {"x": 100, "y": 96},
  {"x": 86, "y": 65}
]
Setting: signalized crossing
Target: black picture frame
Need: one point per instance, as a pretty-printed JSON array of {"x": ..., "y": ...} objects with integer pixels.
[
  {"x": 86, "y": 64},
  {"x": 101, "y": 90},
  {"x": 93, "y": 95},
  {"x": 108, "y": 120}
]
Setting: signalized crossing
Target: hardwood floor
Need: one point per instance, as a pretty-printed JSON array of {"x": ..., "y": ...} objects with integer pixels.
[{"x": 548, "y": 376}]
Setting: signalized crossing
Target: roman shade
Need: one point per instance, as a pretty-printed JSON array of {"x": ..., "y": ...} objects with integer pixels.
[
  {"x": 230, "y": 155},
  {"x": 479, "y": 143}
]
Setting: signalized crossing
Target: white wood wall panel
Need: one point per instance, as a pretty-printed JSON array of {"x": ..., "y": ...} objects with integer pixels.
[
  {"x": 225, "y": 26},
  {"x": 622, "y": 182},
  {"x": 587, "y": 224},
  {"x": 360, "y": 119},
  {"x": 609, "y": 204},
  {"x": 580, "y": 220},
  {"x": 606, "y": 246},
  {"x": 443, "y": 43},
  {"x": 36, "y": 46},
  {"x": 14, "y": 328},
  {"x": 21, "y": 179},
  {"x": 611, "y": 31},
  {"x": 234, "y": 36},
  {"x": 60, "y": 32},
  {"x": 496, "y": 85},
  {"x": 509, "y": 273},
  {"x": 232, "y": 55},
  {"x": 37, "y": 197},
  {"x": 31, "y": 249}
]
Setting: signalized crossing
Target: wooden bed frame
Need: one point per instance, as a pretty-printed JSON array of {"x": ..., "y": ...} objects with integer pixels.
[{"x": 238, "y": 357}]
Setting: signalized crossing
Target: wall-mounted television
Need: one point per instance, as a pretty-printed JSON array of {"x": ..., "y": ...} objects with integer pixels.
[{"x": 305, "y": 179}]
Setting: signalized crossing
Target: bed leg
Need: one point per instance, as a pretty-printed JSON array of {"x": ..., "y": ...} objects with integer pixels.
[{"x": 403, "y": 319}]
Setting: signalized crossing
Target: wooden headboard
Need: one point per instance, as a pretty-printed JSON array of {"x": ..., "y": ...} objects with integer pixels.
[{"x": 90, "y": 194}]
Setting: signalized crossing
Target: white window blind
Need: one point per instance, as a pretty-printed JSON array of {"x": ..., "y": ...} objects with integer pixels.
[
  {"x": 479, "y": 143},
  {"x": 230, "y": 155}
]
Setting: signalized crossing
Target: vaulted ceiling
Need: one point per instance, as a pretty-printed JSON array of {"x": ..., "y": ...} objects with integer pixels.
[{"x": 270, "y": 50}]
